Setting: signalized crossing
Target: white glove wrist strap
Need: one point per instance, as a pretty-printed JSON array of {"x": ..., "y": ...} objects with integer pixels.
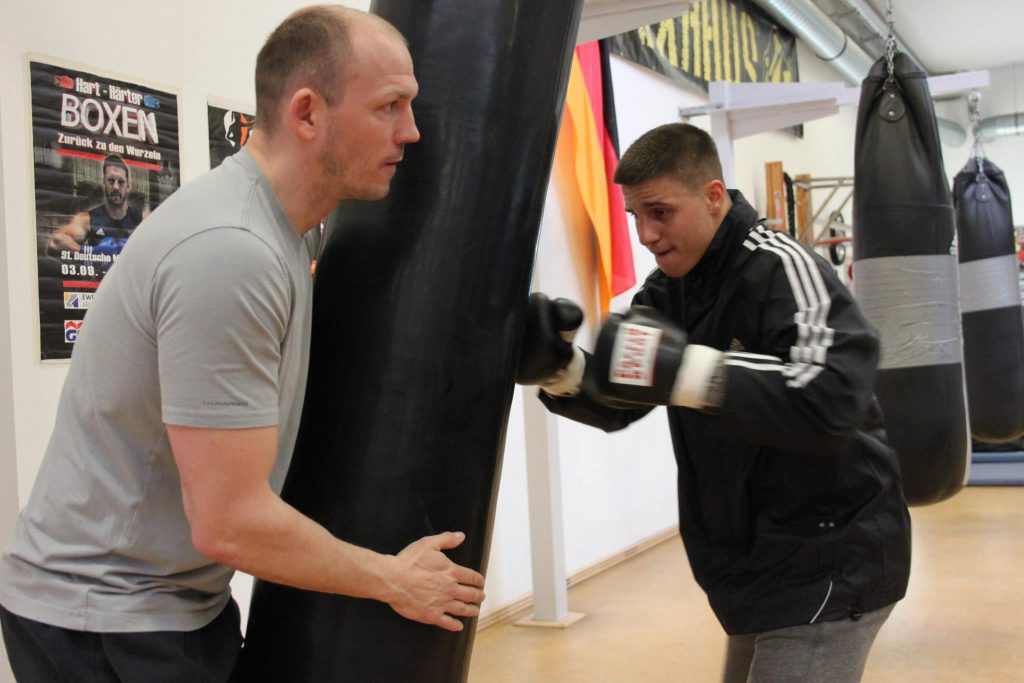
[
  {"x": 694, "y": 377},
  {"x": 567, "y": 381}
]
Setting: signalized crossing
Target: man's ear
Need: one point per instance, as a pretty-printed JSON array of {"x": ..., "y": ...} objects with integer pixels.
[
  {"x": 303, "y": 113},
  {"x": 715, "y": 194}
]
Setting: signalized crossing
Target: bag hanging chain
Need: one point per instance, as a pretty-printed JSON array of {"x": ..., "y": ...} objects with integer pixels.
[
  {"x": 890, "y": 43},
  {"x": 974, "y": 113}
]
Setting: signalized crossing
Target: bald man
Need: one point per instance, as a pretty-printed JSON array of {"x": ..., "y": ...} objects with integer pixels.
[{"x": 179, "y": 414}]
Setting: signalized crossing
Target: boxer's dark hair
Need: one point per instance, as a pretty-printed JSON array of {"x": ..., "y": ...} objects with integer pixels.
[
  {"x": 114, "y": 160},
  {"x": 311, "y": 48},
  {"x": 676, "y": 149}
]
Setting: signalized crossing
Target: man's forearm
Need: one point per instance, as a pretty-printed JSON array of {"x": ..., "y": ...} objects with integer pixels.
[
  {"x": 271, "y": 540},
  {"x": 237, "y": 520}
]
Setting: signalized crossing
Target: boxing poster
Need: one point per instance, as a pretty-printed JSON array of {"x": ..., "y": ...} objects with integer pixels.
[
  {"x": 105, "y": 154},
  {"x": 715, "y": 40},
  {"x": 229, "y": 131}
]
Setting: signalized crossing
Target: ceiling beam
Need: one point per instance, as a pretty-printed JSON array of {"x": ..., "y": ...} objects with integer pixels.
[{"x": 603, "y": 18}]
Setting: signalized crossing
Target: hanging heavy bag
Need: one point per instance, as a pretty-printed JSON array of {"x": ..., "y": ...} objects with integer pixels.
[
  {"x": 990, "y": 305},
  {"x": 905, "y": 278},
  {"x": 418, "y": 315}
]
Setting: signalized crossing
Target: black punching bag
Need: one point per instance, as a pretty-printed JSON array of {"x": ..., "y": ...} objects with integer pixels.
[
  {"x": 418, "y": 314},
  {"x": 905, "y": 278},
  {"x": 990, "y": 304}
]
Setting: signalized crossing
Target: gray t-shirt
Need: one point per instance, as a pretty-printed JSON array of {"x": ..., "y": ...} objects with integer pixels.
[{"x": 203, "y": 321}]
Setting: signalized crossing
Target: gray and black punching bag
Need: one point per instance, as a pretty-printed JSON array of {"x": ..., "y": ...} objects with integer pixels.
[
  {"x": 990, "y": 305},
  {"x": 419, "y": 307},
  {"x": 905, "y": 278}
]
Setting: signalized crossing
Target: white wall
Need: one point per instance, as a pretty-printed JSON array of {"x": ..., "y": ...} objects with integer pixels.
[
  {"x": 508, "y": 565},
  {"x": 8, "y": 463}
]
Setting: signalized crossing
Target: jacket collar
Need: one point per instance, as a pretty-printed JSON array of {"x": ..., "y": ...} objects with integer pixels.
[{"x": 730, "y": 235}]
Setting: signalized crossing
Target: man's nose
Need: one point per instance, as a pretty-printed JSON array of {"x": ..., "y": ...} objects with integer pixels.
[
  {"x": 408, "y": 133},
  {"x": 645, "y": 232}
]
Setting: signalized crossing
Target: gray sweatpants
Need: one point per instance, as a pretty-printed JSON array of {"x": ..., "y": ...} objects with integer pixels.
[{"x": 828, "y": 652}]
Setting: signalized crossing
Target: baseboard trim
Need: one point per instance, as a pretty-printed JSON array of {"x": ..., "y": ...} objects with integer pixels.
[{"x": 520, "y": 607}]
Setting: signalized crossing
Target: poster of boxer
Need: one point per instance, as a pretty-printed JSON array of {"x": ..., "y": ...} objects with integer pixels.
[
  {"x": 106, "y": 154},
  {"x": 229, "y": 131}
]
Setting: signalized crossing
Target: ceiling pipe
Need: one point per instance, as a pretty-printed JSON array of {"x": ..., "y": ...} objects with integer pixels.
[
  {"x": 830, "y": 43},
  {"x": 951, "y": 132},
  {"x": 998, "y": 126}
]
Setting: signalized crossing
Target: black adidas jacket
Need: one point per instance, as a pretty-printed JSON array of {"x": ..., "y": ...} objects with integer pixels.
[{"x": 790, "y": 503}]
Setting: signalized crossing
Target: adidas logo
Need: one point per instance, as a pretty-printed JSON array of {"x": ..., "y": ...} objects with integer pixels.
[{"x": 736, "y": 345}]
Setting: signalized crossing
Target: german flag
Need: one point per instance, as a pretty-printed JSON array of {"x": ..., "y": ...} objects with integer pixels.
[{"x": 590, "y": 112}]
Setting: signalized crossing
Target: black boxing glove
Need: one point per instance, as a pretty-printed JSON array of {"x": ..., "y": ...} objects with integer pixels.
[
  {"x": 548, "y": 357},
  {"x": 643, "y": 357}
]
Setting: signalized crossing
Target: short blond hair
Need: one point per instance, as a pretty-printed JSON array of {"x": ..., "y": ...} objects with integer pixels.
[{"x": 311, "y": 48}]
